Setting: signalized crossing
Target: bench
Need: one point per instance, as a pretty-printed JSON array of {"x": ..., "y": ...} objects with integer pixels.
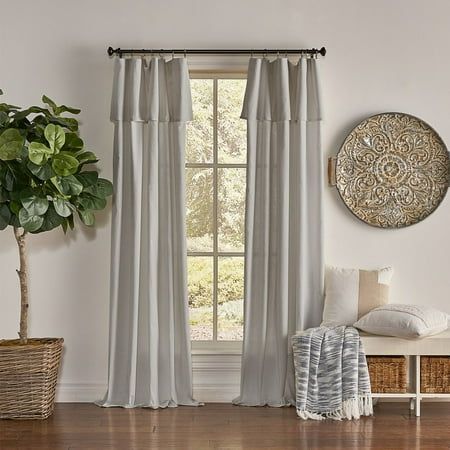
[{"x": 438, "y": 345}]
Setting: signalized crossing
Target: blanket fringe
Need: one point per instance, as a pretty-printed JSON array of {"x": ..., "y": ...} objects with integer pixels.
[{"x": 352, "y": 408}]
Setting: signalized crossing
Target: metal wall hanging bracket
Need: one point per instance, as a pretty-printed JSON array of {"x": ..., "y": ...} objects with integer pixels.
[{"x": 332, "y": 171}]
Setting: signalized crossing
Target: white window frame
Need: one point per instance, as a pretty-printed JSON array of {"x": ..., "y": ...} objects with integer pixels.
[{"x": 215, "y": 346}]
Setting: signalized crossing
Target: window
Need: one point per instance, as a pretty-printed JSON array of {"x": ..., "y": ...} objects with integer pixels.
[{"x": 216, "y": 150}]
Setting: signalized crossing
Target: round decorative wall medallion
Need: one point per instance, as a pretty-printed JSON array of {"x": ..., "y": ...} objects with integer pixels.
[{"x": 392, "y": 170}]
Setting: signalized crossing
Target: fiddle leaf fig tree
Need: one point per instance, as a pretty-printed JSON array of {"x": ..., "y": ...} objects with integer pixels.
[{"x": 47, "y": 178}]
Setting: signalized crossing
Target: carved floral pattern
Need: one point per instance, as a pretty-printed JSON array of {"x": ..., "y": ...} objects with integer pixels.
[{"x": 392, "y": 170}]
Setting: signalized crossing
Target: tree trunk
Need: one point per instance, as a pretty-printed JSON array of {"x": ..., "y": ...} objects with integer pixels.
[{"x": 23, "y": 279}]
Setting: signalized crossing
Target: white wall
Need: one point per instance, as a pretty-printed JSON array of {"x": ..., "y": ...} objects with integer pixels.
[{"x": 382, "y": 56}]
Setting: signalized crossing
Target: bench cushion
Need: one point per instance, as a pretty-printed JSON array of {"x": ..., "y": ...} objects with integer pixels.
[{"x": 438, "y": 344}]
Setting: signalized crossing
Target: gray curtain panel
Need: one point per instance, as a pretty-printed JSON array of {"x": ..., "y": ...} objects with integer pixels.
[
  {"x": 284, "y": 257},
  {"x": 150, "y": 355}
]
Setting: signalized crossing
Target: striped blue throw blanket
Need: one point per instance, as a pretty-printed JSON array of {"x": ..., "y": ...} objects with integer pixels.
[{"x": 331, "y": 375}]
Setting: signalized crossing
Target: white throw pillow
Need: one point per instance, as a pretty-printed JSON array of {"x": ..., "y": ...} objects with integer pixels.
[
  {"x": 351, "y": 293},
  {"x": 405, "y": 321}
]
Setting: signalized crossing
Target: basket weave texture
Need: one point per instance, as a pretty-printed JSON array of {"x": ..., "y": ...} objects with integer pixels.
[
  {"x": 387, "y": 374},
  {"x": 28, "y": 376},
  {"x": 435, "y": 374}
]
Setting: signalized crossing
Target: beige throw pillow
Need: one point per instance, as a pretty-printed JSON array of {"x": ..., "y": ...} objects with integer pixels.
[
  {"x": 405, "y": 321},
  {"x": 352, "y": 293}
]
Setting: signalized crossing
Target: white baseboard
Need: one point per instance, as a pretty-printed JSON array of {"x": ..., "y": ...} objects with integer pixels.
[
  {"x": 80, "y": 392},
  {"x": 216, "y": 394},
  {"x": 216, "y": 378}
]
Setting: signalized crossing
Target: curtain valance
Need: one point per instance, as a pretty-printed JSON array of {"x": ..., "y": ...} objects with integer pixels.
[
  {"x": 280, "y": 90},
  {"x": 154, "y": 90}
]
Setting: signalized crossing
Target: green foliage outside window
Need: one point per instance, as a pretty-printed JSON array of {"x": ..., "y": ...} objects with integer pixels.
[{"x": 230, "y": 208}]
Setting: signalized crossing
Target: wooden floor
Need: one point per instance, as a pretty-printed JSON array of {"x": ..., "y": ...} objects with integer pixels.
[{"x": 223, "y": 426}]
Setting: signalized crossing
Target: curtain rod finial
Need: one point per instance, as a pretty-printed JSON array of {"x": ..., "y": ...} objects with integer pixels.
[
  {"x": 111, "y": 51},
  {"x": 323, "y": 51}
]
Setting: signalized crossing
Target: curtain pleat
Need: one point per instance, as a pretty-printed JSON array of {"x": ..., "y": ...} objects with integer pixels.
[
  {"x": 284, "y": 254},
  {"x": 149, "y": 356}
]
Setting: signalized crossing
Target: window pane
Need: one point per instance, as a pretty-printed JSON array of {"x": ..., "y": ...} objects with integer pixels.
[
  {"x": 200, "y": 291},
  {"x": 199, "y": 139},
  {"x": 230, "y": 298},
  {"x": 231, "y": 131},
  {"x": 231, "y": 209},
  {"x": 199, "y": 209}
]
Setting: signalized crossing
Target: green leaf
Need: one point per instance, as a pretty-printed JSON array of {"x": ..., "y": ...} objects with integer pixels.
[
  {"x": 87, "y": 202},
  {"x": 38, "y": 153},
  {"x": 73, "y": 142},
  {"x": 63, "y": 108},
  {"x": 7, "y": 107},
  {"x": 4, "y": 118},
  {"x": 3, "y": 171},
  {"x": 42, "y": 122},
  {"x": 57, "y": 110},
  {"x": 67, "y": 185},
  {"x": 48, "y": 101},
  {"x": 30, "y": 222},
  {"x": 14, "y": 222},
  {"x": 51, "y": 220},
  {"x": 35, "y": 206},
  {"x": 87, "y": 178},
  {"x": 64, "y": 164},
  {"x": 62, "y": 207},
  {"x": 102, "y": 189},
  {"x": 16, "y": 176},
  {"x": 11, "y": 143},
  {"x": 5, "y": 216},
  {"x": 55, "y": 136},
  {"x": 70, "y": 222},
  {"x": 19, "y": 115},
  {"x": 87, "y": 158},
  {"x": 4, "y": 195},
  {"x": 8, "y": 181},
  {"x": 87, "y": 217},
  {"x": 67, "y": 122},
  {"x": 44, "y": 172},
  {"x": 15, "y": 206},
  {"x": 15, "y": 195}
]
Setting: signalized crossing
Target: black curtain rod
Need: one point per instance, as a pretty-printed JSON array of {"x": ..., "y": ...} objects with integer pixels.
[{"x": 286, "y": 51}]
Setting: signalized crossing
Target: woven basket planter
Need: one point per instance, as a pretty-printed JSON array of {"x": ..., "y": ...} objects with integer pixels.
[
  {"x": 28, "y": 375},
  {"x": 387, "y": 374},
  {"x": 435, "y": 374}
]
